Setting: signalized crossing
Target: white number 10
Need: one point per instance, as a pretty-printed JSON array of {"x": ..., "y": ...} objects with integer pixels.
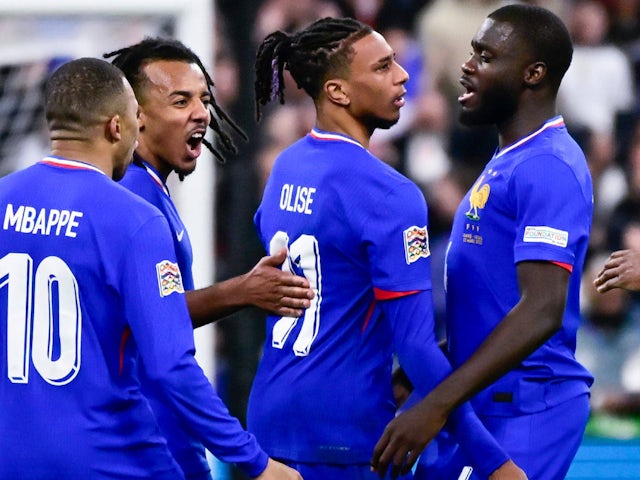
[
  {"x": 305, "y": 255},
  {"x": 33, "y": 297}
]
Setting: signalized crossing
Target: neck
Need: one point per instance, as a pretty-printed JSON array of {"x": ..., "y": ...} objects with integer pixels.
[
  {"x": 524, "y": 122},
  {"x": 83, "y": 153},
  {"x": 162, "y": 168},
  {"x": 344, "y": 124}
]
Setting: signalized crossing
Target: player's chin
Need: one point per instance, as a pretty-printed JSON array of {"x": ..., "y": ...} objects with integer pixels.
[
  {"x": 386, "y": 123},
  {"x": 186, "y": 168},
  {"x": 469, "y": 117}
]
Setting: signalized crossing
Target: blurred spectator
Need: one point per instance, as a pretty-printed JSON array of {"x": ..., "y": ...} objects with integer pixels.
[
  {"x": 588, "y": 98},
  {"x": 225, "y": 65},
  {"x": 624, "y": 21},
  {"x": 290, "y": 15},
  {"x": 609, "y": 183},
  {"x": 444, "y": 29},
  {"x": 426, "y": 150},
  {"x": 627, "y": 211},
  {"x": 609, "y": 346}
]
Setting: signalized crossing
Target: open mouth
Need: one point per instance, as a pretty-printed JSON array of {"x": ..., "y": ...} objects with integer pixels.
[
  {"x": 469, "y": 91},
  {"x": 399, "y": 101},
  {"x": 195, "y": 140}
]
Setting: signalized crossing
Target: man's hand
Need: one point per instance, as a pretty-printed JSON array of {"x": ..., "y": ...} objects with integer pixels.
[
  {"x": 621, "y": 270},
  {"x": 268, "y": 287},
  {"x": 508, "y": 471},
  {"x": 404, "y": 438},
  {"x": 278, "y": 471}
]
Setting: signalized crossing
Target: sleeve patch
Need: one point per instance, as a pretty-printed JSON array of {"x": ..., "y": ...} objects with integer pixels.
[
  {"x": 416, "y": 243},
  {"x": 169, "y": 278},
  {"x": 552, "y": 236}
]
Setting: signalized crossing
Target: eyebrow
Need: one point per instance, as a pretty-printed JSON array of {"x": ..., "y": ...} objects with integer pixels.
[
  {"x": 389, "y": 58},
  {"x": 477, "y": 45},
  {"x": 187, "y": 93}
]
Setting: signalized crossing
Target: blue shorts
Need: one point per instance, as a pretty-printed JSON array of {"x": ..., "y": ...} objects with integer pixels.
[
  {"x": 543, "y": 444},
  {"x": 319, "y": 471}
]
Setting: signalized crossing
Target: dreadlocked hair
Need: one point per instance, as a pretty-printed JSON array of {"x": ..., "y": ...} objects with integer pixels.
[
  {"x": 131, "y": 60},
  {"x": 321, "y": 49}
]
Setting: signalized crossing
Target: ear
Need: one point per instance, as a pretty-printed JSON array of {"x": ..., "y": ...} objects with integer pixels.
[
  {"x": 142, "y": 118},
  {"x": 114, "y": 133},
  {"x": 336, "y": 91},
  {"x": 535, "y": 73}
]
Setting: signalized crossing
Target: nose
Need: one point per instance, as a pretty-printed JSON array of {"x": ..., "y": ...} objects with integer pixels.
[
  {"x": 466, "y": 66},
  {"x": 201, "y": 112},
  {"x": 402, "y": 76}
]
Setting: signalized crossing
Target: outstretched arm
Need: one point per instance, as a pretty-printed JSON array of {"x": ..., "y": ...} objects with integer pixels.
[
  {"x": 533, "y": 320},
  {"x": 266, "y": 286},
  {"x": 621, "y": 270}
]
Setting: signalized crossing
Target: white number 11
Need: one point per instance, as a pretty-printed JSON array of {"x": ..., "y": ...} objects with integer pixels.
[{"x": 305, "y": 255}]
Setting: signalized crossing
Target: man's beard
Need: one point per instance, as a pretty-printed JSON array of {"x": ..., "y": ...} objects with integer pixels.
[
  {"x": 184, "y": 173},
  {"x": 495, "y": 107}
]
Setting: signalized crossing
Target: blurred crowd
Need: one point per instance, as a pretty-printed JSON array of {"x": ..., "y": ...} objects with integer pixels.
[{"x": 599, "y": 99}]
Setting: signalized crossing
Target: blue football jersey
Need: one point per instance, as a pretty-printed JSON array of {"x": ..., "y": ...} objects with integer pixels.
[
  {"x": 532, "y": 202},
  {"x": 90, "y": 294},
  {"x": 357, "y": 230}
]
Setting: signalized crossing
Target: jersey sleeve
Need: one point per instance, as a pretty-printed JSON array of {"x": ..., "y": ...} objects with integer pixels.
[
  {"x": 552, "y": 213},
  {"x": 397, "y": 240},
  {"x": 157, "y": 314},
  {"x": 426, "y": 365}
]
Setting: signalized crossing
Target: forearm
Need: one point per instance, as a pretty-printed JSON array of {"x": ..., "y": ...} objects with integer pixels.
[
  {"x": 209, "y": 304},
  {"x": 529, "y": 324},
  {"x": 479, "y": 445},
  {"x": 516, "y": 337}
]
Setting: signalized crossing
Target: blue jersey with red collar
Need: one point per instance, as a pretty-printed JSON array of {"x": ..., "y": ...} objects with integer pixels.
[
  {"x": 145, "y": 181},
  {"x": 142, "y": 179},
  {"x": 356, "y": 229},
  {"x": 90, "y": 295},
  {"x": 532, "y": 202}
]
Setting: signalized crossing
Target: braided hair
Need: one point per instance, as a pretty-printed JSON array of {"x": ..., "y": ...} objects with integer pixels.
[
  {"x": 131, "y": 60},
  {"x": 311, "y": 55}
]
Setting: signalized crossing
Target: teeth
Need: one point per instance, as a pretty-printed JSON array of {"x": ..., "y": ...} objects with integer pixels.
[{"x": 196, "y": 135}]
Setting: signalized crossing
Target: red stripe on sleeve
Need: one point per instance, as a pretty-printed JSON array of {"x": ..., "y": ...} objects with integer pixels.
[{"x": 566, "y": 266}]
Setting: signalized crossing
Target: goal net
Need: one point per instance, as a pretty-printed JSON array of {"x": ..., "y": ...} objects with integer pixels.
[{"x": 40, "y": 34}]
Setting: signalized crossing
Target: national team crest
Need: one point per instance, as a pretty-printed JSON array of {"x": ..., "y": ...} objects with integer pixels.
[
  {"x": 416, "y": 243},
  {"x": 169, "y": 278}
]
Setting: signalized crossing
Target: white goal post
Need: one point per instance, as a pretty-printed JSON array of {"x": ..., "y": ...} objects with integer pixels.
[{"x": 192, "y": 23}]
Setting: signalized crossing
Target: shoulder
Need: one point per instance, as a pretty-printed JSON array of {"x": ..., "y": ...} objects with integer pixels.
[
  {"x": 136, "y": 207},
  {"x": 137, "y": 180}
]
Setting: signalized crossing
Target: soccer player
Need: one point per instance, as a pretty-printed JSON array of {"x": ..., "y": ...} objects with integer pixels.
[
  {"x": 357, "y": 230},
  {"x": 91, "y": 294},
  {"x": 176, "y": 99},
  {"x": 515, "y": 258},
  {"x": 175, "y": 95}
]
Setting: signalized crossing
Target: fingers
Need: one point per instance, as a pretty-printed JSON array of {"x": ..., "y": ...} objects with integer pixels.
[
  {"x": 302, "y": 300},
  {"x": 380, "y": 461},
  {"x": 605, "y": 287},
  {"x": 386, "y": 455},
  {"x": 299, "y": 285},
  {"x": 276, "y": 259},
  {"x": 398, "y": 461},
  {"x": 606, "y": 280},
  {"x": 410, "y": 460}
]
